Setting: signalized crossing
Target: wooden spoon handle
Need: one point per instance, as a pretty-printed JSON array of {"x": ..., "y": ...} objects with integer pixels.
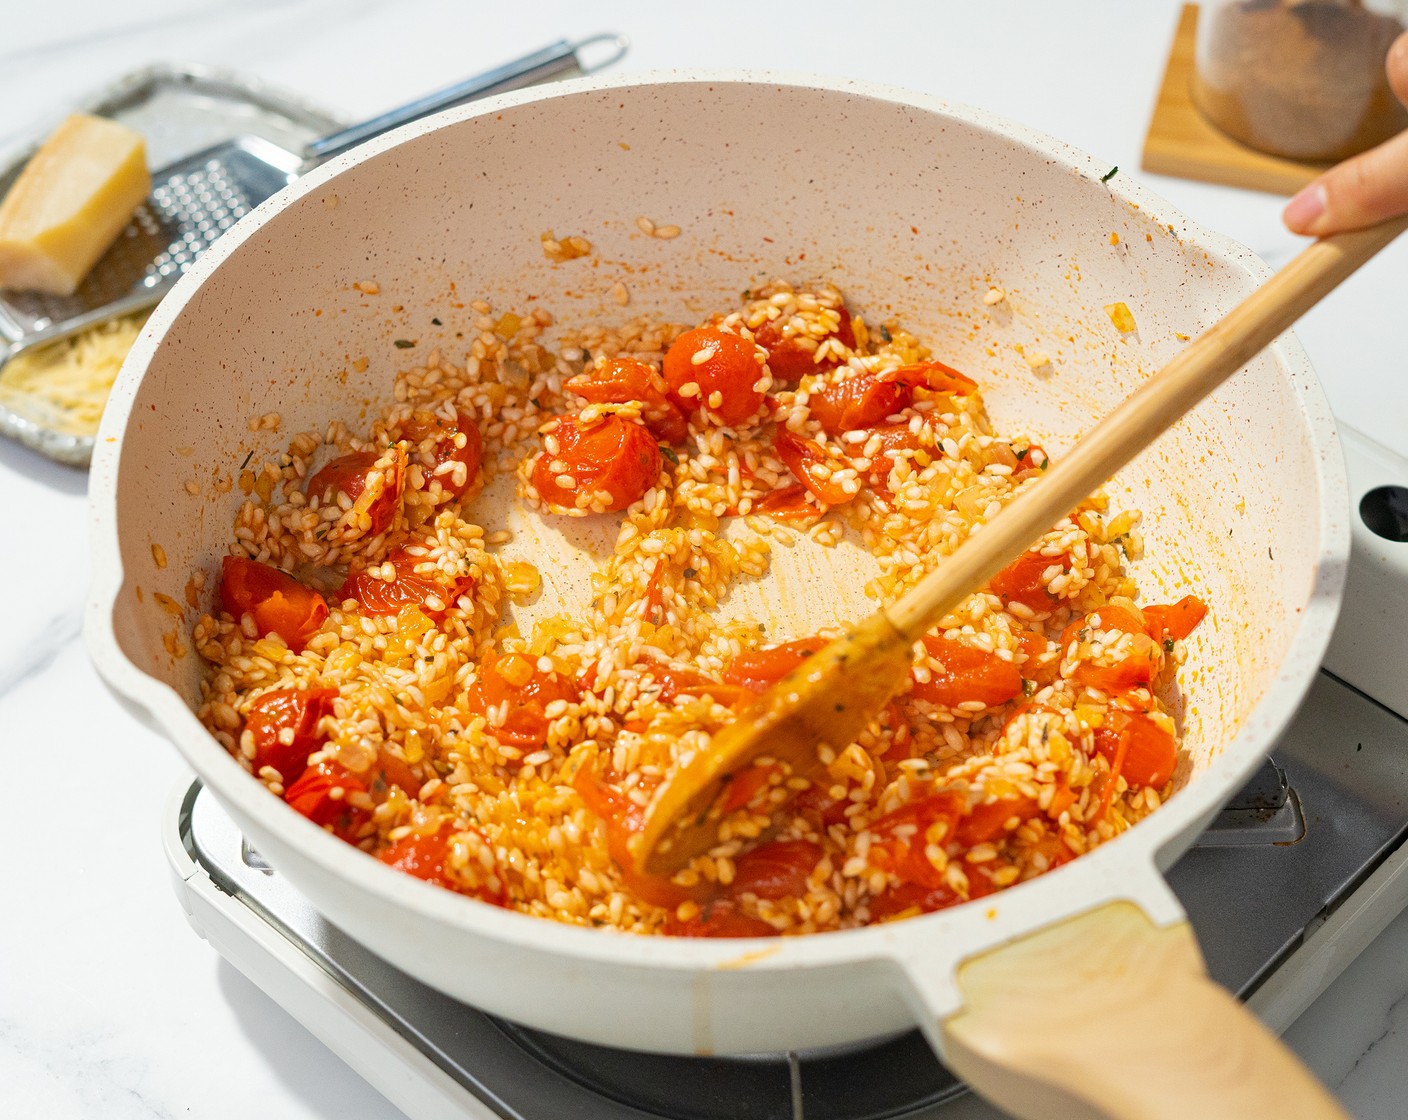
[
  {"x": 1106, "y": 1014},
  {"x": 1145, "y": 414}
]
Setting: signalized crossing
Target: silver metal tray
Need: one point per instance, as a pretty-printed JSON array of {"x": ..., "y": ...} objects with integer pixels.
[{"x": 179, "y": 109}]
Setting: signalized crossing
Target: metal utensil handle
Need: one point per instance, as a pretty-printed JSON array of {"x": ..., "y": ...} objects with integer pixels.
[{"x": 553, "y": 60}]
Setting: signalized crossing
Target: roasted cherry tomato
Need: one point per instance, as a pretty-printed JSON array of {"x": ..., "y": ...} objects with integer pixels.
[
  {"x": 292, "y": 710},
  {"x": 423, "y": 856},
  {"x": 1133, "y": 670},
  {"x": 409, "y": 588},
  {"x": 1022, "y": 581},
  {"x": 901, "y": 836},
  {"x": 612, "y": 459},
  {"x": 966, "y": 673},
  {"x": 932, "y": 375},
  {"x": 787, "y": 504},
  {"x": 675, "y": 679},
  {"x": 723, "y": 370},
  {"x": 350, "y": 474},
  {"x": 623, "y": 818},
  {"x": 812, "y": 467},
  {"x": 278, "y": 603},
  {"x": 457, "y": 443},
  {"x": 514, "y": 684},
  {"x": 1034, "y": 649},
  {"x": 906, "y": 899},
  {"x": 775, "y": 870},
  {"x": 1175, "y": 620},
  {"x": 320, "y": 794},
  {"x": 1137, "y": 748},
  {"x": 893, "y": 438},
  {"x": 388, "y": 772},
  {"x": 816, "y": 805},
  {"x": 718, "y": 919},
  {"x": 988, "y": 821},
  {"x": 790, "y": 358},
  {"x": 622, "y": 380},
  {"x": 758, "y": 670},
  {"x": 744, "y": 785},
  {"x": 861, "y": 400},
  {"x": 864, "y": 400},
  {"x": 427, "y": 857}
]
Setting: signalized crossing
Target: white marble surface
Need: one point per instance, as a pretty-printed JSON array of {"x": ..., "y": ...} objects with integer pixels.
[{"x": 109, "y": 1005}]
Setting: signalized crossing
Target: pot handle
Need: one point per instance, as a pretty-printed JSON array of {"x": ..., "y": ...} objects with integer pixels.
[{"x": 1106, "y": 1012}]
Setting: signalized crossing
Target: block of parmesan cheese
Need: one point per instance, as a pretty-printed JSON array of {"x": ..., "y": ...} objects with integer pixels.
[{"x": 70, "y": 202}]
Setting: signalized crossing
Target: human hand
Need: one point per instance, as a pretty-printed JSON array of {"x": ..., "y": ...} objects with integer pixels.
[{"x": 1366, "y": 189}]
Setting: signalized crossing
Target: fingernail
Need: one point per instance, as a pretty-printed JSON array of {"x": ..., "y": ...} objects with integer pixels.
[{"x": 1302, "y": 211}]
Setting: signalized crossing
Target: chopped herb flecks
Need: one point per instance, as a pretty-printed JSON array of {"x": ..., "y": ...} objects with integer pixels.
[
  {"x": 885, "y": 333},
  {"x": 1105, "y": 178},
  {"x": 437, "y": 322},
  {"x": 669, "y": 453},
  {"x": 1168, "y": 645},
  {"x": 403, "y": 344},
  {"x": 690, "y": 573}
]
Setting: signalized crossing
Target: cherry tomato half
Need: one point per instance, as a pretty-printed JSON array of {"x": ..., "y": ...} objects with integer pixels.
[
  {"x": 861, "y": 400},
  {"x": 779, "y": 869},
  {"x": 811, "y": 466},
  {"x": 288, "y": 709},
  {"x": 377, "y": 596},
  {"x": 788, "y": 504},
  {"x": 1149, "y": 752},
  {"x": 932, "y": 375},
  {"x": 901, "y": 836},
  {"x": 758, "y": 670},
  {"x": 320, "y": 794},
  {"x": 516, "y": 681},
  {"x": 612, "y": 459},
  {"x": 720, "y": 918},
  {"x": 278, "y": 603},
  {"x": 724, "y": 370},
  {"x": 458, "y": 443},
  {"x": 1175, "y": 620},
  {"x": 623, "y": 380},
  {"x": 350, "y": 474},
  {"x": 1023, "y": 581},
  {"x": 422, "y": 856},
  {"x": 893, "y": 438},
  {"x": 966, "y": 673},
  {"x": 789, "y": 357},
  {"x": 427, "y": 857},
  {"x": 1134, "y": 670}
]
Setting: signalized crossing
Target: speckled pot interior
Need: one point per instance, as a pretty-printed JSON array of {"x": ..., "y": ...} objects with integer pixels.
[{"x": 915, "y": 208}]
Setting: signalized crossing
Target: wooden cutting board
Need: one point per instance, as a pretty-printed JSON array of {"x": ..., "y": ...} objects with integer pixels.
[{"x": 1183, "y": 143}]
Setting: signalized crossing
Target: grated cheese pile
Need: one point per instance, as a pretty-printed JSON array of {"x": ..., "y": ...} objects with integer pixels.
[{"x": 65, "y": 386}]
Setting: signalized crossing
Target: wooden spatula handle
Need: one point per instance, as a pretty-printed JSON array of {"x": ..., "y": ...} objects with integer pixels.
[
  {"x": 1143, "y": 416},
  {"x": 1107, "y": 1015}
]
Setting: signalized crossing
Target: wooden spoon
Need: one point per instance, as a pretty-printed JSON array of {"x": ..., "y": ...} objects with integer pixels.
[{"x": 825, "y": 702}]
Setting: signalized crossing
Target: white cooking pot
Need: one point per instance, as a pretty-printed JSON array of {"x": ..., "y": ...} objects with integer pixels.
[{"x": 1083, "y": 985}]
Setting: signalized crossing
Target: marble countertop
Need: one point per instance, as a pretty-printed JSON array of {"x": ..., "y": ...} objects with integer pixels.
[{"x": 109, "y": 1005}]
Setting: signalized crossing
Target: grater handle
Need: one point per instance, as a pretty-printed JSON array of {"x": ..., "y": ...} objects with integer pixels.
[{"x": 555, "y": 60}]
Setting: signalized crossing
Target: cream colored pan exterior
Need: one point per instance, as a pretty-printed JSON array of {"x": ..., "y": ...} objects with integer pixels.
[{"x": 916, "y": 208}]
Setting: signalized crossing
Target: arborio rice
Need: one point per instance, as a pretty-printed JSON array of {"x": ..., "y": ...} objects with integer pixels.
[{"x": 366, "y": 666}]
